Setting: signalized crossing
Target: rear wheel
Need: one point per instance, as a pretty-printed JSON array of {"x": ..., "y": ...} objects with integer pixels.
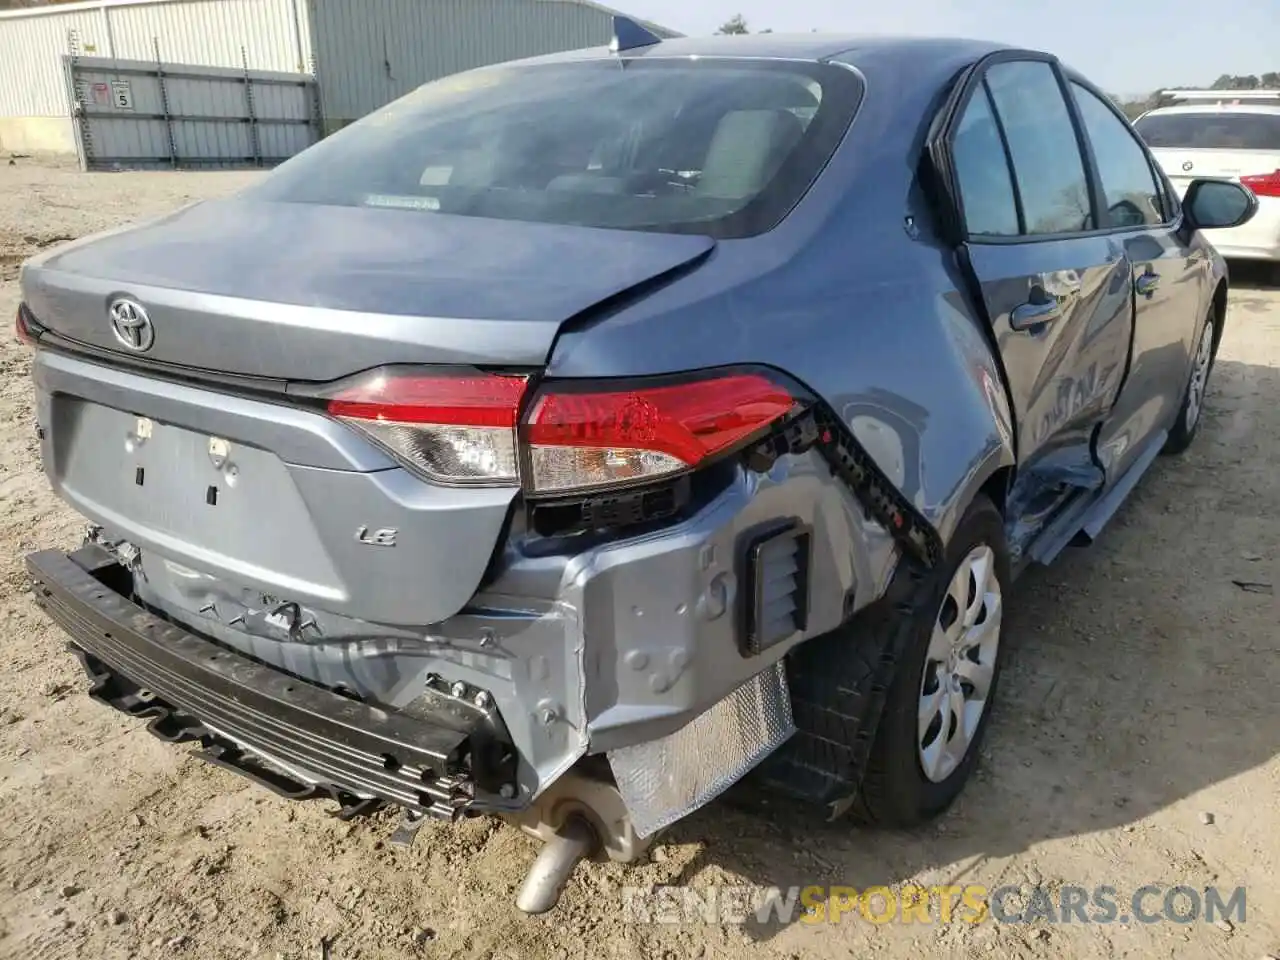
[
  {"x": 891, "y": 707},
  {"x": 1189, "y": 416},
  {"x": 939, "y": 702}
]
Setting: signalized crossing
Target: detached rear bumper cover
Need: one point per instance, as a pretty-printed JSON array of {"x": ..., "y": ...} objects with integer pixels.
[{"x": 319, "y": 741}]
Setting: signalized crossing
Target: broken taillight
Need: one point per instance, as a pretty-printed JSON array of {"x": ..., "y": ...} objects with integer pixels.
[
  {"x": 588, "y": 436},
  {"x": 576, "y": 435},
  {"x": 455, "y": 428}
]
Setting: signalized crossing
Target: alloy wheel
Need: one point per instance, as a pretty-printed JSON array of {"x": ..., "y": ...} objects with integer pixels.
[
  {"x": 1200, "y": 376},
  {"x": 960, "y": 665}
]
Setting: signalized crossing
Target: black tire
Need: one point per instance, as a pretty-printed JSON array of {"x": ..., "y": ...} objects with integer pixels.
[
  {"x": 894, "y": 790},
  {"x": 1184, "y": 429},
  {"x": 839, "y": 682}
]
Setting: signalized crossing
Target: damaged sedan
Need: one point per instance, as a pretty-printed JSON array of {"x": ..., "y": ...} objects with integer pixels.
[{"x": 574, "y": 438}]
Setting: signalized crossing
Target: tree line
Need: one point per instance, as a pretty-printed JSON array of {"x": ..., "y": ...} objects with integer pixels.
[{"x": 1136, "y": 107}]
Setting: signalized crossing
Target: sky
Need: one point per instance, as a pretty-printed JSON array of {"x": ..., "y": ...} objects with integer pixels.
[{"x": 1126, "y": 47}]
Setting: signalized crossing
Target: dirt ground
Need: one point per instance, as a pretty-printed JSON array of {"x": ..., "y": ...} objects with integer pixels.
[{"x": 1138, "y": 705}]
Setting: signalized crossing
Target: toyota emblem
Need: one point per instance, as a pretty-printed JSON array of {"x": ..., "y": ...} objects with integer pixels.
[
  {"x": 1188, "y": 165},
  {"x": 131, "y": 325}
]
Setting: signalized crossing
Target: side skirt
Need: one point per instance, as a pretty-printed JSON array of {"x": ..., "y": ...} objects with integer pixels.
[{"x": 1084, "y": 519}]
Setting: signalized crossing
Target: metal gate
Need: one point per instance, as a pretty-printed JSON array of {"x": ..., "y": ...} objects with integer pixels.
[{"x": 134, "y": 114}]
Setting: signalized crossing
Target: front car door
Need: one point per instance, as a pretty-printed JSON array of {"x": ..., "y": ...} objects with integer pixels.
[
  {"x": 1171, "y": 283},
  {"x": 1055, "y": 282}
]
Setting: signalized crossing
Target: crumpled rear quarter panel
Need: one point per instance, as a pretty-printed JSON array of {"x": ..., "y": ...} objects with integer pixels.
[{"x": 854, "y": 296}]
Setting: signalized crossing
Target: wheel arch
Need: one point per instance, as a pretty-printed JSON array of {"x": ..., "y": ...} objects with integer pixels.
[
  {"x": 1220, "y": 311},
  {"x": 997, "y": 486}
]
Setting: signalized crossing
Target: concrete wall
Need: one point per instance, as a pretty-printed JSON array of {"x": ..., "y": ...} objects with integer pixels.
[{"x": 36, "y": 135}]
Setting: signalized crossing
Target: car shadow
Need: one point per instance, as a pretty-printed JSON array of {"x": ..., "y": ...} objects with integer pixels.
[
  {"x": 1139, "y": 672},
  {"x": 1249, "y": 275}
]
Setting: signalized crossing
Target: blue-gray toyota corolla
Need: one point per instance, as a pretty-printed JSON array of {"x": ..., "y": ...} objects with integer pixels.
[{"x": 573, "y": 437}]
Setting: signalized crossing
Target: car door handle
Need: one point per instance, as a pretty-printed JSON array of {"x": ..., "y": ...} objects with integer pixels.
[
  {"x": 1029, "y": 315},
  {"x": 1147, "y": 284}
]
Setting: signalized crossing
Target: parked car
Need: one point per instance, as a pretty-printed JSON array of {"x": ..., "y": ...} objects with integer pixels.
[
  {"x": 1234, "y": 135},
  {"x": 564, "y": 442}
]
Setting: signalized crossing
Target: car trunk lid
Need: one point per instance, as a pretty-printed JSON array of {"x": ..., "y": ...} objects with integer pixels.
[
  {"x": 1183, "y": 166},
  {"x": 304, "y": 292}
]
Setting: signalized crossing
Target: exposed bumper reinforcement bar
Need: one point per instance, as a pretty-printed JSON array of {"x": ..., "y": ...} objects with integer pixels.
[{"x": 297, "y": 739}]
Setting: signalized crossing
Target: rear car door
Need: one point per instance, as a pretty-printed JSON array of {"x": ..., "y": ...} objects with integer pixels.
[
  {"x": 1056, "y": 287},
  {"x": 1171, "y": 282}
]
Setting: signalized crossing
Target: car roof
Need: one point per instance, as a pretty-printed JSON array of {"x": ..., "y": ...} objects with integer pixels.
[
  {"x": 1203, "y": 108},
  {"x": 850, "y": 48}
]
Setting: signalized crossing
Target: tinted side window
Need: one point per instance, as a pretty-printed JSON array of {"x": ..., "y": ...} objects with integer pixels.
[
  {"x": 982, "y": 172},
  {"x": 1042, "y": 142},
  {"x": 1132, "y": 196}
]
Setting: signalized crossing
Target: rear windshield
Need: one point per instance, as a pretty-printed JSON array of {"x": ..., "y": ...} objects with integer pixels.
[
  {"x": 718, "y": 147},
  {"x": 1211, "y": 131}
]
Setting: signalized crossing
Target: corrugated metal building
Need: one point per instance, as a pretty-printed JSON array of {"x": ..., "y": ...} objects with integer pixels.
[{"x": 364, "y": 53}]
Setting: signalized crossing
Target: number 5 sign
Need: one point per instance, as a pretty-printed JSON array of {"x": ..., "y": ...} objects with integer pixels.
[{"x": 121, "y": 95}]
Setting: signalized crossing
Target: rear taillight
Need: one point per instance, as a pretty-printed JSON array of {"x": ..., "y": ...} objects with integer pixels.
[
  {"x": 455, "y": 428},
  {"x": 465, "y": 427},
  {"x": 582, "y": 437},
  {"x": 24, "y": 326},
  {"x": 1264, "y": 184}
]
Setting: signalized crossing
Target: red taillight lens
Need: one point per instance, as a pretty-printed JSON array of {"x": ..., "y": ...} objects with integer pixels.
[
  {"x": 452, "y": 428},
  {"x": 23, "y": 328},
  {"x": 462, "y": 428},
  {"x": 1264, "y": 185},
  {"x": 583, "y": 438}
]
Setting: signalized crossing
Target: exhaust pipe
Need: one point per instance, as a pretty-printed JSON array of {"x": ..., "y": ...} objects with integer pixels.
[
  {"x": 571, "y": 844},
  {"x": 576, "y": 817}
]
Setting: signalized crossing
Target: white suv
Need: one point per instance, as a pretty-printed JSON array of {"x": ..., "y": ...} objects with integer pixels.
[{"x": 1233, "y": 134}]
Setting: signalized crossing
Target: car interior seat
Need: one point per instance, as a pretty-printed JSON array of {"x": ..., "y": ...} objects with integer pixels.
[{"x": 746, "y": 151}]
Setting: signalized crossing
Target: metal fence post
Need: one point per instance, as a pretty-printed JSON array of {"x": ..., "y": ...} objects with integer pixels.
[
  {"x": 77, "y": 96},
  {"x": 164, "y": 104},
  {"x": 317, "y": 107},
  {"x": 248, "y": 105}
]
